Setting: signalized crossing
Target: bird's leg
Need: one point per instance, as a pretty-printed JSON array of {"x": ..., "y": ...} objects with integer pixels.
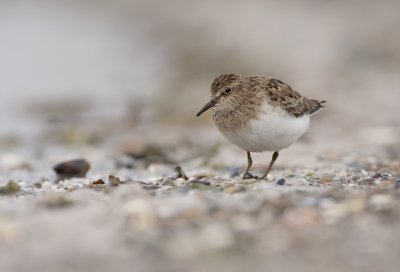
[
  {"x": 274, "y": 157},
  {"x": 246, "y": 174}
]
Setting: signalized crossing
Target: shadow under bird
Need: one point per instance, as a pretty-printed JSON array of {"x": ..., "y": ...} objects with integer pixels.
[{"x": 259, "y": 114}]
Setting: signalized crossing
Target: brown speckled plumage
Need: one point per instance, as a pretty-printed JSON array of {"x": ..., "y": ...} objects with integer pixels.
[
  {"x": 282, "y": 95},
  {"x": 259, "y": 114},
  {"x": 249, "y": 93}
]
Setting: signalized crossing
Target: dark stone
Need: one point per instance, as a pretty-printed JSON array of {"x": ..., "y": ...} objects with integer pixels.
[
  {"x": 199, "y": 181},
  {"x": 281, "y": 181},
  {"x": 377, "y": 175},
  {"x": 74, "y": 168}
]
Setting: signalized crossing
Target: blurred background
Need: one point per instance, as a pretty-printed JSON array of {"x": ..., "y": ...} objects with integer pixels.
[
  {"x": 119, "y": 82},
  {"x": 142, "y": 63}
]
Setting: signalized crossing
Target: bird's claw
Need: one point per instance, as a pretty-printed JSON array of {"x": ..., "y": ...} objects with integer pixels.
[{"x": 249, "y": 176}]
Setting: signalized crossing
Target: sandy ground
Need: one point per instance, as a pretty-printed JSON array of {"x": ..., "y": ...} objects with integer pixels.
[{"x": 330, "y": 205}]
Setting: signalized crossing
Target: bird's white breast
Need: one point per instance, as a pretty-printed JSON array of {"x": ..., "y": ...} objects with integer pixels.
[{"x": 272, "y": 130}]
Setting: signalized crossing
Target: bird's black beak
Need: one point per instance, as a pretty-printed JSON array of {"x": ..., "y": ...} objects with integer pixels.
[{"x": 207, "y": 106}]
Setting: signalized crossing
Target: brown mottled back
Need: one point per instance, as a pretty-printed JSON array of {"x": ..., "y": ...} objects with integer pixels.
[
  {"x": 247, "y": 94},
  {"x": 282, "y": 95}
]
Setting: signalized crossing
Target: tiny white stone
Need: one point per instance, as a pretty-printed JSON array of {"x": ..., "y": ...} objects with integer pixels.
[{"x": 180, "y": 182}]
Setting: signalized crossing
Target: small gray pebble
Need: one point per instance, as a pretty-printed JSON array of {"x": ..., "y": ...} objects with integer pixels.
[{"x": 281, "y": 181}]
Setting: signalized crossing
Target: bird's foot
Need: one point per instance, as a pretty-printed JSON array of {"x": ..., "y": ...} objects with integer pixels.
[{"x": 249, "y": 176}]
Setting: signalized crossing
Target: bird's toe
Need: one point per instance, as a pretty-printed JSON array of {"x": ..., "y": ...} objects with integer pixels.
[{"x": 249, "y": 176}]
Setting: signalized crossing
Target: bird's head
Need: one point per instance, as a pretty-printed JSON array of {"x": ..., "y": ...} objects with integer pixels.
[{"x": 225, "y": 91}]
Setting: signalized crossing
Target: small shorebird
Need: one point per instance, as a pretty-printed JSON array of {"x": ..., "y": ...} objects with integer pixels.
[{"x": 259, "y": 114}]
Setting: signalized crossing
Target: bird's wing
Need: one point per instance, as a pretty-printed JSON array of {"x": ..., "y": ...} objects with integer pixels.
[{"x": 283, "y": 96}]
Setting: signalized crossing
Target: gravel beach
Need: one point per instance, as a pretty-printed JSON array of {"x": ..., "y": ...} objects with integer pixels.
[{"x": 322, "y": 208}]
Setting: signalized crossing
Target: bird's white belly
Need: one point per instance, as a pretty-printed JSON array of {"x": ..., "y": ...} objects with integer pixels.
[{"x": 271, "y": 131}]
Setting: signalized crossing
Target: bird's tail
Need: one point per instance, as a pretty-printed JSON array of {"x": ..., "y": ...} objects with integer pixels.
[{"x": 316, "y": 105}]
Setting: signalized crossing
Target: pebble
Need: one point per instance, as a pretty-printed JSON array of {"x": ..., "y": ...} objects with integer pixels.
[
  {"x": 73, "y": 168},
  {"x": 281, "y": 181},
  {"x": 180, "y": 182},
  {"x": 114, "y": 181},
  {"x": 99, "y": 182},
  {"x": 376, "y": 175}
]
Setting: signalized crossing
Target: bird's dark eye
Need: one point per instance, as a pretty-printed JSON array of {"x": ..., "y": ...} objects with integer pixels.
[{"x": 228, "y": 91}]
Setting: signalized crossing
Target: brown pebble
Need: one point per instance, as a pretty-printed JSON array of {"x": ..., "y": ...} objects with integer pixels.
[
  {"x": 99, "y": 182},
  {"x": 74, "y": 168}
]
